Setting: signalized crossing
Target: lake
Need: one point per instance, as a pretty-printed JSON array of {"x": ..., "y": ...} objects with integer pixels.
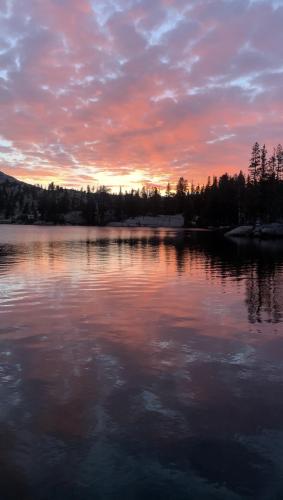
[{"x": 139, "y": 364}]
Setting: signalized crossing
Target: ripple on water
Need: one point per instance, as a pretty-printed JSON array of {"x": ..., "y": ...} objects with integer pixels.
[{"x": 139, "y": 363}]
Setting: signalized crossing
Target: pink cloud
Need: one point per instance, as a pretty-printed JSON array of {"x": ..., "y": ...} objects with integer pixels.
[{"x": 166, "y": 87}]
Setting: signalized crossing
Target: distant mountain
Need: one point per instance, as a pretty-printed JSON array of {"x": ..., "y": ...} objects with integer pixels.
[
  {"x": 228, "y": 201},
  {"x": 8, "y": 178},
  {"x": 24, "y": 203}
]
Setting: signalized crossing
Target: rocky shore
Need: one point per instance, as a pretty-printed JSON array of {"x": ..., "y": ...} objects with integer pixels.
[
  {"x": 151, "y": 221},
  {"x": 263, "y": 231}
]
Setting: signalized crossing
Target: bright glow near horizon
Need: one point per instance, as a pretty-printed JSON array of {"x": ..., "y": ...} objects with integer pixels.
[{"x": 132, "y": 92}]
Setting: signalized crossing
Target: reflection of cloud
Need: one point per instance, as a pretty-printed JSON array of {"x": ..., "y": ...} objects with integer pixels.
[
  {"x": 137, "y": 86},
  {"x": 265, "y": 295},
  {"x": 127, "y": 354}
]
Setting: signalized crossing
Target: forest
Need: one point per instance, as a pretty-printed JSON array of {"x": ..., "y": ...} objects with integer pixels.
[{"x": 225, "y": 201}]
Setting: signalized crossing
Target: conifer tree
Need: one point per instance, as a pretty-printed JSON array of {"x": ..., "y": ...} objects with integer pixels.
[
  {"x": 263, "y": 163},
  {"x": 168, "y": 190},
  {"x": 182, "y": 187},
  {"x": 271, "y": 168},
  {"x": 255, "y": 162},
  {"x": 279, "y": 162}
]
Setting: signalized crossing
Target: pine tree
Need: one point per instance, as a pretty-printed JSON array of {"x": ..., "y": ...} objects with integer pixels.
[
  {"x": 272, "y": 164},
  {"x": 279, "y": 162},
  {"x": 182, "y": 187},
  {"x": 255, "y": 162},
  {"x": 263, "y": 163},
  {"x": 168, "y": 190}
]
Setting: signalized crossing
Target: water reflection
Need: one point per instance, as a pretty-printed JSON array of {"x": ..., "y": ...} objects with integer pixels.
[
  {"x": 259, "y": 264},
  {"x": 139, "y": 364}
]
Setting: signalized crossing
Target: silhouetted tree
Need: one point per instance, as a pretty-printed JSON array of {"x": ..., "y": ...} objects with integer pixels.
[
  {"x": 263, "y": 172},
  {"x": 254, "y": 166},
  {"x": 228, "y": 200},
  {"x": 279, "y": 162}
]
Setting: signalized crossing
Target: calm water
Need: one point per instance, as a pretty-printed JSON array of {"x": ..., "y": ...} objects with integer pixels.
[{"x": 139, "y": 364}]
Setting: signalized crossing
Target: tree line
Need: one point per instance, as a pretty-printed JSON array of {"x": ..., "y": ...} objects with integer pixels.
[{"x": 227, "y": 200}]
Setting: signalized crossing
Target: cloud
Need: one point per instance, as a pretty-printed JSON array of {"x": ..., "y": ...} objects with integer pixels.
[{"x": 137, "y": 89}]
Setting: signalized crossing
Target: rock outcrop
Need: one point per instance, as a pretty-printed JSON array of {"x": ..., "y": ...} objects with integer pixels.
[
  {"x": 151, "y": 221},
  {"x": 274, "y": 230},
  {"x": 241, "y": 231}
]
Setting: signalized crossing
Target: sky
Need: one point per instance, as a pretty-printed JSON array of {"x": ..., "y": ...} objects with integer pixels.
[{"x": 126, "y": 93}]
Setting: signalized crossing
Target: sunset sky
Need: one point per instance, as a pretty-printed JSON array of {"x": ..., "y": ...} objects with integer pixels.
[{"x": 128, "y": 92}]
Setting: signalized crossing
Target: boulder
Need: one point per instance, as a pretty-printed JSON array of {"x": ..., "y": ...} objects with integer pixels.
[
  {"x": 152, "y": 221},
  {"x": 274, "y": 230},
  {"x": 271, "y": 231},
  {"x": 241, "y": 231}
]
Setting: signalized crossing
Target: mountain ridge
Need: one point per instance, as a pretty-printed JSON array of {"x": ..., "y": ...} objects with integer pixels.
[{"x": 5, "y": 177}]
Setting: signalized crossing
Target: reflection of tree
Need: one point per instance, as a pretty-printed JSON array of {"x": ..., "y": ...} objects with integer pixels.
[
  {"x": 258, "y": 264},
  {"x": 264, "y": 295},
  {"x": 263, "y": 275},
  {"x": 180, "y": 255},
  {"x": 8, "y": 257}
]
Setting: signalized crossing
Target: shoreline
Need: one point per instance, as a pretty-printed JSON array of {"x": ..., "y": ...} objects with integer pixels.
[
  {"x": 272, "y": 230},
  {"x": 209, "y": 229}
]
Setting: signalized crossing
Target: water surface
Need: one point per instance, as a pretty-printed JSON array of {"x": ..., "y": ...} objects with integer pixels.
[{"x": 139, "y": 364}]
